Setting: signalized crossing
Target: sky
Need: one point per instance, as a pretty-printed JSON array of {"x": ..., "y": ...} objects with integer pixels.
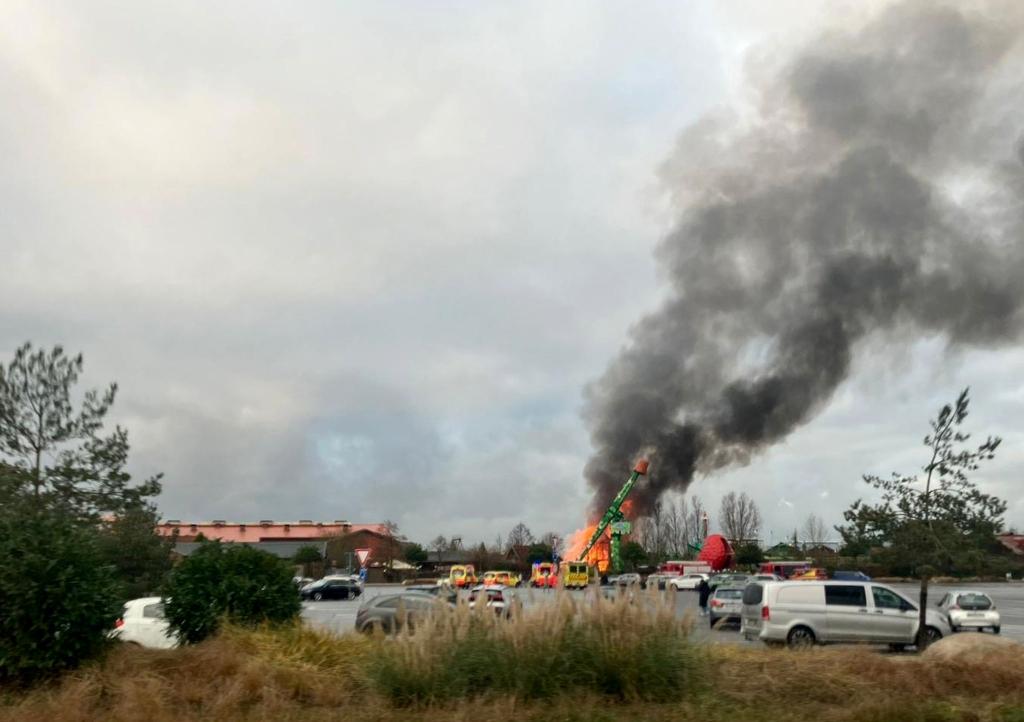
[{"x": 359, "y": 261}]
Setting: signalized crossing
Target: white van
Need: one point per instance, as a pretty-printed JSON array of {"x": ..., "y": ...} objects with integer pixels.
[{"x": 819, "y": 612}]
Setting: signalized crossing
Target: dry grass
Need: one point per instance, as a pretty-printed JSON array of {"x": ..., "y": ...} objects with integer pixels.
[
  {"x": 603, "y": 661},
  {"x": 625, "y": 648}
]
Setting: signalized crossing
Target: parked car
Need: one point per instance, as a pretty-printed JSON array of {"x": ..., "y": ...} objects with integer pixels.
[
  {"x": 766, "y": 578},
  {"x": 725, "y": 605},
  {"x": 803, "y": 613},
  {"x": 731, "y": 579},
  {"x": 687, "y": 581},
  {"x": 847, "y": 576},
  {"x": 968, "y": 609},
  {"x": 300, "y": 582},
  {"x": 498, "y": 597},
  {"x": 631, "y": 579},
  {"x": 142, "y": 622},
  {"x": 659, "y": 580},
  {"x": 331, "y": 588},
  {"x": 441, "y": 591},
  {"x": 389, "y": 613}
]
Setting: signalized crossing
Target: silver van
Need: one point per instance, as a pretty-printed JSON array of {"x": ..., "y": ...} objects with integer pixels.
[{"x": 802, "y": 613}]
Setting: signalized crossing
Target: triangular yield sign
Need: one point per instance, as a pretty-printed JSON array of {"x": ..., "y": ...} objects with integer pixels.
[{"x": 362, "y": 555}]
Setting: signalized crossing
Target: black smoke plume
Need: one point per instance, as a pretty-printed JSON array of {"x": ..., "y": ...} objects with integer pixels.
[{"x": 874, "y": 186}]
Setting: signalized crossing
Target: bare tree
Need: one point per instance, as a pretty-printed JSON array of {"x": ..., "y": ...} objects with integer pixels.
[
  {"x": 813, "y": 531},
  {"x": 739, "y": 517},
  {"x": 519, "y": 536},
  {"x": 658, "y": 533},
  {"x": 695, "y": 521},
  {"x": 551, "y": 539},
  {"x": 677, "y": 528},
  {"x": 643, "y": 533},
  {"x": 438, "y": 545},
  {"x": 392, "y": 545}
]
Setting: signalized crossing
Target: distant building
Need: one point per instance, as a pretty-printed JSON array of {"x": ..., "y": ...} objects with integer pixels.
[
  {"x": 1013, "y": 542},
  {"x": 265, "y": 530},
  {"x": 280, "y": 549}
]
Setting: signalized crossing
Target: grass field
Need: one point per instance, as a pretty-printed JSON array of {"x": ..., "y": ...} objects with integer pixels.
[{"x": 600, "y": 660}]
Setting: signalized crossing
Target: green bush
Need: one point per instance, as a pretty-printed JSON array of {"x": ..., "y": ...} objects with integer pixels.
[
  {"x": 58, "y": 599},
  {"x": 246, "y": 586}
]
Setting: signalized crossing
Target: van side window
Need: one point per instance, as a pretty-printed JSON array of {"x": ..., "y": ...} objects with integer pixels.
[
  {"x": 885, "y": 599},
  {"x": 845, "y": 596}
]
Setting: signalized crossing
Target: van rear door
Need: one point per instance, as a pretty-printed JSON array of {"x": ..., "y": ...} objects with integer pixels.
[{"x": 750, "y": 614}]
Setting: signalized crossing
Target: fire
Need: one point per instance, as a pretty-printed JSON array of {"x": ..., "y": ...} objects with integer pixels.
[{"x": 600, "y": 554}]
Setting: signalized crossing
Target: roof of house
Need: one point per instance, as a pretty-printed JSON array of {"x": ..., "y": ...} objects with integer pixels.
[
  {"x": 264, "y": 530},
  {"x": 1013, "y": 542},
  {"x": 518, "y": 551}
]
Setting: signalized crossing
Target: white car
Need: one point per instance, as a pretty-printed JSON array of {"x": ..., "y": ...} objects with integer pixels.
[
  {"x": 143, "y": 623},
  {"x": 969, "y": 609},
  {"x": 498, "y": 597},
  {"x": 686, "y": 581}
]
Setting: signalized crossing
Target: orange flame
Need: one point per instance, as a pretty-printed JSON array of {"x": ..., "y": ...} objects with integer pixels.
[{"x": 599, "y": 554}]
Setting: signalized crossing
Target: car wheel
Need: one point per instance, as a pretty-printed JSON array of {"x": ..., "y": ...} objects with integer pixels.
[
  {"x": 931, "y": 635},
  {"x": 897, "y": 647},
  {"x": 800, "y": 638},
  {"x": 711, "y": 622},
  {"x": 995, "y": 630},
  {"x": 318, "y": 596}
]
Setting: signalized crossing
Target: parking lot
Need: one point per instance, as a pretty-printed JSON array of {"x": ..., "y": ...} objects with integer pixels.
[{"x": 339, "y": 616}]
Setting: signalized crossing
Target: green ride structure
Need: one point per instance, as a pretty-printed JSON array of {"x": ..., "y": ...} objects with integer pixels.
[{"x": 616, "y": 520}]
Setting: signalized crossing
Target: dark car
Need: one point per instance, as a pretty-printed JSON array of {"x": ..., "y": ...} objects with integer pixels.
[
  {"x": 389, "y": 613},
  {"x": 331, "y": 589},
  {"x": 850, "y": 576}
]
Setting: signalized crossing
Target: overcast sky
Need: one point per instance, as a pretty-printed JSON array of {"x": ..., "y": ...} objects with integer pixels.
[{"x": 359, "y": 260}]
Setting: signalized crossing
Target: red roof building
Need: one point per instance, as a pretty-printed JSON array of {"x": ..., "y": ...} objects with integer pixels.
[
  {"x": 1013, "y": 542},
  {"x": 264, "y": 530}
]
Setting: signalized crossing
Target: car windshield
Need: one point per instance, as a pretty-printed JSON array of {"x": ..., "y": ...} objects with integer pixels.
[{"x": 974, "y": 601}]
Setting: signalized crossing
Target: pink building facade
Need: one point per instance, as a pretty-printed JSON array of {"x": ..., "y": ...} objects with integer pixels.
[{"x": 264, "y": 530}]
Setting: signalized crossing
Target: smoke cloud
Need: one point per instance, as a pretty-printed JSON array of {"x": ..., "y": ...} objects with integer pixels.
[{"x": 873, "y": 186}]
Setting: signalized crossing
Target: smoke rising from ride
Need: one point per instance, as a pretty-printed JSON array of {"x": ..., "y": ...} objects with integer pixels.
[{"x": 873, "y": 186}]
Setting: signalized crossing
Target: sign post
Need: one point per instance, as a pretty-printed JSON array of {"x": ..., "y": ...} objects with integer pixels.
[{"x": 362, "y": 555}]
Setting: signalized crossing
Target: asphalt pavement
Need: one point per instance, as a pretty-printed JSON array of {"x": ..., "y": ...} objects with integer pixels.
[{"x": 339, "y": 616}]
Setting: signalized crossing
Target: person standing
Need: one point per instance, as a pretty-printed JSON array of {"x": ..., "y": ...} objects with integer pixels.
[{"x": 703, "y": 592}]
